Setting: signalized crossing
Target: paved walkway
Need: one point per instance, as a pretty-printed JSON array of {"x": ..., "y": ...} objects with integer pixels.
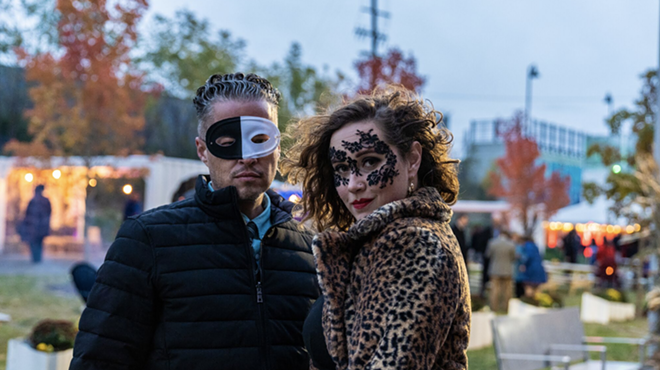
[{"x": 16, "y": 264}]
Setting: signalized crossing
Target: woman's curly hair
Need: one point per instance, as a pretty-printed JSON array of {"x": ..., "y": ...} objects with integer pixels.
[{"x": 402, "y": 116}]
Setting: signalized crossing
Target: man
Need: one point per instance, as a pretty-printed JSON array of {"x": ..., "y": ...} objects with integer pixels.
[
  {"x": 223, "y": 280},
  {"x": 502, "y": 254},
  {"x": 458, "y": 228},
  {"x": 572, "y": 244},
  {"x": 36, "y": 224},
  {"x": 133, "y": 206}
]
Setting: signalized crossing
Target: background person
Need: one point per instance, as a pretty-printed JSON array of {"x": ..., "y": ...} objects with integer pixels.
[
  {"x": 378, "y": 179},
  {"x": 532, "y": 272},
  {"x": 502, "y": 254},
  {"x": 36, "y": 223},
  {"x": 458, "y": 228}
]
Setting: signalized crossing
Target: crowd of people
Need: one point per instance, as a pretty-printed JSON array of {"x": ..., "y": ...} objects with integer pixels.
[{"x": 510, "y": 263}]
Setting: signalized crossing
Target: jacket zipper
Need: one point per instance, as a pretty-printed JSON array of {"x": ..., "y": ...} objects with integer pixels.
[{"x": 258, "y": 277}]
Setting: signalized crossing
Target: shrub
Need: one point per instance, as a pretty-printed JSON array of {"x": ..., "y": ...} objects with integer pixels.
[
  {"x": 611, "y": 295},
  {"x": 544, "y": 299},
  {"x": 53, "y": 335}
]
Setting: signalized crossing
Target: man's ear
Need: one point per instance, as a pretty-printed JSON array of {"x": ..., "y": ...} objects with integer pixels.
[{"x": 202, "y": 151}]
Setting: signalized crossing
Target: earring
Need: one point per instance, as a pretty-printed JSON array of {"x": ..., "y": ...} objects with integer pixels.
[{"x": 411, "y": 189}]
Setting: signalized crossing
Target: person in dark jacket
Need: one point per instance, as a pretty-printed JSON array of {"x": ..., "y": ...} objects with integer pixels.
[
  {"x": 222, "y": 280},
  {"x": 532, "y": 273},
  {"x": 36, "y": 224},
  {"x": 458, "y": 228},
  {"x": 572, "y": 244}
]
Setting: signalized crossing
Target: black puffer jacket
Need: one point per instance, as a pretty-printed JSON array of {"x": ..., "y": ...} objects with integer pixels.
[{"x": 178, "y": 291}]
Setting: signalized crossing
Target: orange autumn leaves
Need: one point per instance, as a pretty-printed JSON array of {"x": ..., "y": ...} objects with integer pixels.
[
  {"x": 87, "y": 97},
  {"x": 521, "y": 180}
]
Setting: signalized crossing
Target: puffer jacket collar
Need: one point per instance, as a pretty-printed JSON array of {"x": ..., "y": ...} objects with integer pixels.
[{"x": 223, "y": 203}]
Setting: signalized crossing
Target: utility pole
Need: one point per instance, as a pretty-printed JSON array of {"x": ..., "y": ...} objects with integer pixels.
[
  {"x": 532, "y": 73},
  {"x": 373, "y": 33}
]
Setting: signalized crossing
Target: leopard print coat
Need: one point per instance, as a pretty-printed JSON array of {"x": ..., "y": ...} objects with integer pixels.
[{"x": 396, "y": 289}]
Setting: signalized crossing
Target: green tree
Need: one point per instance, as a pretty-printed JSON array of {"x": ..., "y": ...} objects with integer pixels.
[
  {"x": 304, "y": 90},
  {"x": 27, "y": 24},
  {"x": 630, "y": 188},
  {"x": 181, "y": 53}
]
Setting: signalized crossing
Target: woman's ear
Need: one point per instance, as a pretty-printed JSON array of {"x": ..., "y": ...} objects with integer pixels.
[{"x": 414, "y": 158}]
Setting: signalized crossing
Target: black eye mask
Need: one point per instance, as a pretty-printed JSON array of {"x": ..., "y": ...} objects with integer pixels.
[{"x": 242, "y": 138}]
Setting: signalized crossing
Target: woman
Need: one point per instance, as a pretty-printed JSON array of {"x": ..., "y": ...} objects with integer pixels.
[
  {"x": 531, "y": 267},
  {"x": 377, "y": 177}
]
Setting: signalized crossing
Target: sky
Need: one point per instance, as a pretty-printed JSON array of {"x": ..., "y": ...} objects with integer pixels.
[{"x": 473, "y": 53}]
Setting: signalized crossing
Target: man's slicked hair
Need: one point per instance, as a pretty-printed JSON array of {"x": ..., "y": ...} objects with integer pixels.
[{"x": 232, "y": 87}]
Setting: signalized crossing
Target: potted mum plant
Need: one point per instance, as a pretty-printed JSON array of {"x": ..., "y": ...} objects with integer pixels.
[
  {"x": 539, "y": 303},
  {"x": 48, "y": 347}
]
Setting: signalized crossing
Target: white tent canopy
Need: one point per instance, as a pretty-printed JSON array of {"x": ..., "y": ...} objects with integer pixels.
[
  {"x": 163, "y": 175},
  {"x": 583, "y": 212}
]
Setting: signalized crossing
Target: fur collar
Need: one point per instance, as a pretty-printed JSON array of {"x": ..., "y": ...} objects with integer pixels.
[{"x": 426, "y": 202}]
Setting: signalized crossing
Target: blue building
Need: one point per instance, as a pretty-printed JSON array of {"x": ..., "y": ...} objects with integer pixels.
[{"x": 562, "y": 149}]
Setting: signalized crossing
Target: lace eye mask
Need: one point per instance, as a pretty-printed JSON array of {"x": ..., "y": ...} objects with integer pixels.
[{"x": 382, "y": 176}]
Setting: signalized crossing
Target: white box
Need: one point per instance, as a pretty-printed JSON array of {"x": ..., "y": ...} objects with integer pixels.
[
  {"x": 598, "y": 310},
  {"x": 481, "y": 331}
]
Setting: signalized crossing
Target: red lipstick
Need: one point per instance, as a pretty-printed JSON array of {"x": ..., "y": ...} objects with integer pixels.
[{"x": 361, "y": 203}]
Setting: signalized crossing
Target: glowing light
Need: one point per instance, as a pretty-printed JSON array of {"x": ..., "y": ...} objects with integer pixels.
[
  {"x": 630, "y": 229},
  {"x": 617, "y": 229},
  {"x": 57, "y": 174},
  {"x": 294, "y": 198},
  {"x": 609, "y": 271},
  {"x": 92, "y": 182},
  {"x": 616, "y": 168},
  {"x": 610, "y": 229},
  {"x": 638, "y": 227},
  {"x": 579, "y": 228},
  {"x": 127, "y": 189},
  {"x": 568, "y": 226},
  {"x": 588, "y": 252},
  {"x": 29, "y": 177}
]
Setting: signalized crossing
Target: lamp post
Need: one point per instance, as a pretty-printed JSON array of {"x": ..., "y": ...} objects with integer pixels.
[
  {"x": 532, "y": 73},
  {"x": 610, "y": 102}
]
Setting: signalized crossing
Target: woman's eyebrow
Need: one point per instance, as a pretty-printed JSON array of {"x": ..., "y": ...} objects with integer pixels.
[{"x": 365, "y": 152}]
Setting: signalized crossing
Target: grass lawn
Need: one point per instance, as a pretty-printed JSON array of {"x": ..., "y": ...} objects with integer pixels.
[
  {"x": 484, "y": 359},
  {"x": 29, "y": 299}
]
